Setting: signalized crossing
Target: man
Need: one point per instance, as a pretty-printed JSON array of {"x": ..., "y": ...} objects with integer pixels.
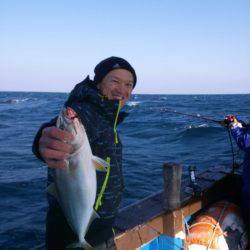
[
  {"x": 98, "y": 104},
  {"x": 241, "y": 134}
]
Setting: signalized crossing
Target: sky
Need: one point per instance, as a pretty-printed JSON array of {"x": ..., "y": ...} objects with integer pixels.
[{"x": 176, "y": 47}]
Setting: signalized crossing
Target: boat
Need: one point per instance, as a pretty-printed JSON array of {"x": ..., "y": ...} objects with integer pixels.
[{"x": 161, "y": 220}]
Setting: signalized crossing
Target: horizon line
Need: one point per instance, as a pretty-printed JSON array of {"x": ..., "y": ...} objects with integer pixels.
[{"x": 60, "y": 92}]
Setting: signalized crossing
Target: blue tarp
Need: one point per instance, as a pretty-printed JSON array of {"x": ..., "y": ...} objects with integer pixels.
[{"x": 163, "y": 242}]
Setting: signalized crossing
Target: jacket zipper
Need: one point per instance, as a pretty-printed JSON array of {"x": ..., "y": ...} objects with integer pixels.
[{"x": 115, "y": 124}]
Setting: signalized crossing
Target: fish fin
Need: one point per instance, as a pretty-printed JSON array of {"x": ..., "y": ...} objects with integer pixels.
[
  {"x": 83, "y": 244},
  {"x": 94, "y": 216},
  {"x": 100, "y": 164},
  {"x": 51, "y": 189}
]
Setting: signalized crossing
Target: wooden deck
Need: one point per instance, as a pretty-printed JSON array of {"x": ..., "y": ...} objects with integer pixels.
[{"x": 146, "y": 219}]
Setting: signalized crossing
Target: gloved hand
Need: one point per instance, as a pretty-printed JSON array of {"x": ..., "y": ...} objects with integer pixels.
[
  {"x": 53, "y": 146},
  {"x": 232, "y": 122}
]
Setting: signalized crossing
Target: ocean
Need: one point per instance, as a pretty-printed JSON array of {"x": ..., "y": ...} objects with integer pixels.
[{"x": 151, "y": 136}]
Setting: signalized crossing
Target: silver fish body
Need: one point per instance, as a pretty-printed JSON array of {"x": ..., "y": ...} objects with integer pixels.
[{"x": 75, "y": 186}]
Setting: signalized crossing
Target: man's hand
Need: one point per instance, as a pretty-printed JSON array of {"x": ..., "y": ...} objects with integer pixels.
[
  {"x": 54, "y": 148},
  {"x": 231, "y": 121}
]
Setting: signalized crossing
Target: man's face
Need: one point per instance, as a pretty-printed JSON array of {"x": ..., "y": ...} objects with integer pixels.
[{"x": 117, "y": 85}]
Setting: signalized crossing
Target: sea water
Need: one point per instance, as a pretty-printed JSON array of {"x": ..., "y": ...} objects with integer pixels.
[{"x": 150, "y": 135}]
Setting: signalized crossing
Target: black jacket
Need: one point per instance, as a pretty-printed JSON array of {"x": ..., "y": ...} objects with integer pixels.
[{"x": 99, "y": 117}]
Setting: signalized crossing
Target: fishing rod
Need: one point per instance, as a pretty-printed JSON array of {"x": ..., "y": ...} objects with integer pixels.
[{"x": 221, "y": 123}]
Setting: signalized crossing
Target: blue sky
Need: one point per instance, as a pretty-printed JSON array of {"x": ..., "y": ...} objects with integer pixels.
[{"x": 176, "y": 46}]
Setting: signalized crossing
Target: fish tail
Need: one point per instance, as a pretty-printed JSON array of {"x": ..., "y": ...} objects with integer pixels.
[{"x": 85, "y": 245}]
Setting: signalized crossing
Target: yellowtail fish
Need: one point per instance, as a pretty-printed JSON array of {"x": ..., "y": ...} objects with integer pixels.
[{"x": 75, "y": 186}]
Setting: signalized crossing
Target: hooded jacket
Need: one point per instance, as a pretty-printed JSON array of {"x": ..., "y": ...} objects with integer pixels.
[
  {"x": 242, "y": 137},
  {"x": 100, "y": 118}
]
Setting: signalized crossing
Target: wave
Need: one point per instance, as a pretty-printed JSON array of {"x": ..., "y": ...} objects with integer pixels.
[
  {"x": 16, "y": 100},
  {"x": 163, "y": 98},
  {"x": 191, "y": 131},
  {"x": 133, "y": 103},
  {"x": 4, "y": 126},
  {"x": 199, "y": 126}
]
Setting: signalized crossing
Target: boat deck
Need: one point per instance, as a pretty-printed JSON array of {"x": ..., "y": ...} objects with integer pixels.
[{"x": 146, "y": 219}]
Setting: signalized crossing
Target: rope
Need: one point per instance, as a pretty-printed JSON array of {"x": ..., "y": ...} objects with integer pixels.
[
  {"x": 155, "y": 230},
  {"x": 221, "y": 214},
  {"x": 185, "y": 224},
  {"x": 202, "y": 223},
  {"x": 232, "y": 149},
  {"x": 159, "y": 233},
  {"x": 138, "y": 232}
]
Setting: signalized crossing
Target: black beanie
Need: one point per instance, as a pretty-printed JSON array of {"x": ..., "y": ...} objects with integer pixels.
[{"x": 109, "y": 64}]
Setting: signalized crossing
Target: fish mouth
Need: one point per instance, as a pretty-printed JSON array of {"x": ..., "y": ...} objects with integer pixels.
[
  {"x": 70, "y": 113},
  {"x": 70, "y": 118}
]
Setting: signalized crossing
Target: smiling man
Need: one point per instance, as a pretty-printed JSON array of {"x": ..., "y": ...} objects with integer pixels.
[{"x": 98, "y": 105}]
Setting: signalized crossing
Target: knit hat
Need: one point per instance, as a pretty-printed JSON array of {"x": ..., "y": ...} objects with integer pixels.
[{"x": 109, "y": 64}]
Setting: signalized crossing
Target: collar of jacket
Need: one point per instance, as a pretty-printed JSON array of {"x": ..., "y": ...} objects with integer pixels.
[{"x": 87, "y": 91}]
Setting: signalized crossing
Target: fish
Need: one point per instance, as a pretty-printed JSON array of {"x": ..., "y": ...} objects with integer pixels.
[{"x": 75, "y": 186}]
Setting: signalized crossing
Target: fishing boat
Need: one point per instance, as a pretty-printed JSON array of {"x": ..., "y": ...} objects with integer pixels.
[{"x": 160, "y": 220}]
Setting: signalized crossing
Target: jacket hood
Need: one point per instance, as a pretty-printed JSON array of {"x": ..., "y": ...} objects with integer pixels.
[{"x": 86, "y": 91}]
